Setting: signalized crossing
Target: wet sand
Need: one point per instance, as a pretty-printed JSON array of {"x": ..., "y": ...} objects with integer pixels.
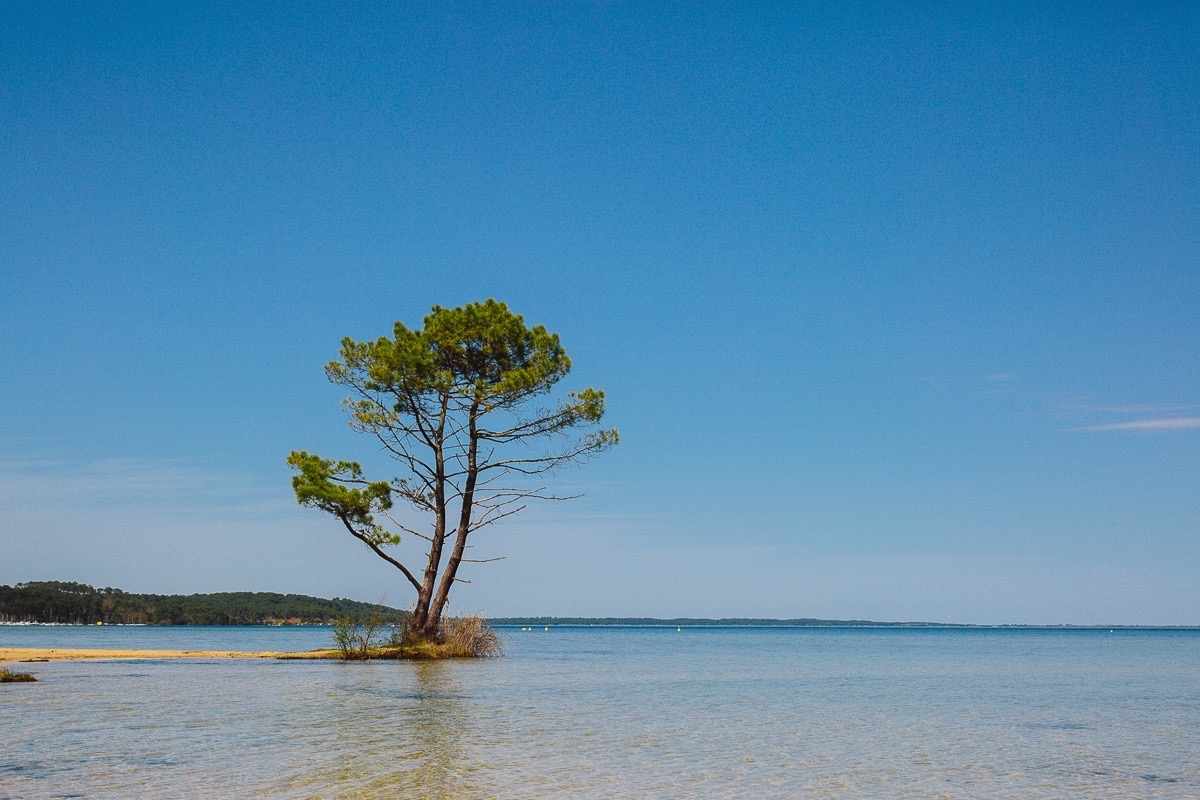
[{"x": 32, "y": 654}]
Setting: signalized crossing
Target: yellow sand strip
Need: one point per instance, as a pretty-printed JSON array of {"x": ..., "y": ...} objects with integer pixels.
[{"x": 59, "y": 654}]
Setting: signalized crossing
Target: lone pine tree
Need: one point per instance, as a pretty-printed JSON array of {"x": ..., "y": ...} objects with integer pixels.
[{"x": 462, "y": 406}]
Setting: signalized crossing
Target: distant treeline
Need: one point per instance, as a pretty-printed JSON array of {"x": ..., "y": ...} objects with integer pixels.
[
  {"x": 805, "y": 622},
  {"x": 732, "y": 621},
  {"x": 80, "y": 604}
]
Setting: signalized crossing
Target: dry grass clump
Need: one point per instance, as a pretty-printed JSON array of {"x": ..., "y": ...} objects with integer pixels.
[
  {"x": 469, "y": 637},
  {"x": 8, "y": 676}
]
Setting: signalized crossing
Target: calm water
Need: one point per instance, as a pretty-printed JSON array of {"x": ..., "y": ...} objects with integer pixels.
[{"x": 617, "y": 713}]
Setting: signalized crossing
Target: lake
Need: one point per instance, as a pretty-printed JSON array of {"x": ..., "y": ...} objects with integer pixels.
[{"x": 616, "y": 713}]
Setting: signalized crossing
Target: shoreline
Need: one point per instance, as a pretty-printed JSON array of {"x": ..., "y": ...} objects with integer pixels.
[{"x": 26, "y": 655}]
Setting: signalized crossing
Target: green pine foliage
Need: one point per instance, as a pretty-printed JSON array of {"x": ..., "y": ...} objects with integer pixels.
[{"x": 80, "y": 604}]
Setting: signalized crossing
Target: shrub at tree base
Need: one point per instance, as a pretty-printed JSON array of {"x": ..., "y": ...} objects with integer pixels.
[
  {"x": 8, "y": 676},
  {"x": 462, "y": 637},
  {"x": 357, "y": 640},
  {"x": 458, "y": 637}
]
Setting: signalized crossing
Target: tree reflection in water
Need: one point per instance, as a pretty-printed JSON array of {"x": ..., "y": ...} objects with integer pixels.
[
  {"x": 393, "y": 730},
  {"x": 438, "y": 723}
]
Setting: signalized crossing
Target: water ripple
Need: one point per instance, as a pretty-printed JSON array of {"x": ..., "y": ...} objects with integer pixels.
[{"x": 629, "y": 714}]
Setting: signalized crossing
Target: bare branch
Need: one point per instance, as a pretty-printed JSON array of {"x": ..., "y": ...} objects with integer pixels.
[
  {"x": 379, "y": 552},
  {"x": 486, "y": 520},
  {"x": 405, "y": 528}
]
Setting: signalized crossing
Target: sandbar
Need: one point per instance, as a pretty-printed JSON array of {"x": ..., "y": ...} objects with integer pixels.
[{"x": 29, "y": 654}]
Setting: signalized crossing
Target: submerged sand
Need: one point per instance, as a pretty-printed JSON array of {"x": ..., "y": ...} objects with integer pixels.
[{"x": 28, "y": 654}]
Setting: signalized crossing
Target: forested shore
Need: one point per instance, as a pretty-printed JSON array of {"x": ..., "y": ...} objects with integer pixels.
[{"x": 80, "y": 604}]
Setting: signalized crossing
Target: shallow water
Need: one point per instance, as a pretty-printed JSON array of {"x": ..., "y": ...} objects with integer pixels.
[{"x": 617, "y": 713}]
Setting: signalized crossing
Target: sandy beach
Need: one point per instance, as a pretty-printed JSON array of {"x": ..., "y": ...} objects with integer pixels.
[{"x": 34, "y": 654}]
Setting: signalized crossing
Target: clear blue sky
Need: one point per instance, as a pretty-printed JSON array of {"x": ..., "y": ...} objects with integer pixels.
[{"x": 897, "y": 309}]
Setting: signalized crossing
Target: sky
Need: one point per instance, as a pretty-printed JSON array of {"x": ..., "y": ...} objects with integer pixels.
[{"x": 897, "y": 309}]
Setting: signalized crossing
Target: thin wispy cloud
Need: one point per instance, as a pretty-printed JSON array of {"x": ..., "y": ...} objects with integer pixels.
[
  {"x": 1084, "y": 408},
  {"x": 1151, "y": 425},
  {"x": 1091, "y": 416}
]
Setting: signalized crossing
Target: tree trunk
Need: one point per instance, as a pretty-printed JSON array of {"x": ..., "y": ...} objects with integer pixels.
[
  {"x": 426, "y": 623},
  {"x": 464, "y": 520}
]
